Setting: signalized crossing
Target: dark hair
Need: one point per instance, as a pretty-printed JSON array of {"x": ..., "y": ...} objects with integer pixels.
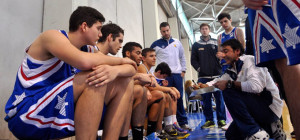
[
  {"x": 223, "y": 15},
  {"x": 164, "y": 24},
  {"x": 110, "y": 28},
  {"x": 164, "y": 68},
  {"x": 234, "y": 44},
  {"x": 146, "y": 50},
  {"x": 204, "y": 24},
  {"x": 84, "y": 14},
  {"x": 129, "y": 46}
]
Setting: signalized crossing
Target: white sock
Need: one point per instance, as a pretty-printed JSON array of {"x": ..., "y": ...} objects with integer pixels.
[
  {"x": 168, "y": 120},
  {"x": 174, "y": 119}
]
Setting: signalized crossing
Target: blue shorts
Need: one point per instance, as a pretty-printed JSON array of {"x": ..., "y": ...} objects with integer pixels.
[
  {"x": 49, "y": 114},
  {"x": 275, "y": 32}
]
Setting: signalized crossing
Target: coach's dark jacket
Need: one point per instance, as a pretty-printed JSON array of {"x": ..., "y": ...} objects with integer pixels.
[{"x": 204, "y": 58}]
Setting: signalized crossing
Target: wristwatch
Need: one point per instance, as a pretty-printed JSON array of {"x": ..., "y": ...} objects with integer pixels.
[{"x": 229, "y": 84}]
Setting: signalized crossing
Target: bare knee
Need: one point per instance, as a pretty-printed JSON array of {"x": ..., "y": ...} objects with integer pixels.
[
  {"x": 138, "y": 92},
  {"x": 167, "y": 98},
  {"x": 79, "y": 85},
  {"x": 157, "y": 94},
  {"x": 121, "y": 84}
]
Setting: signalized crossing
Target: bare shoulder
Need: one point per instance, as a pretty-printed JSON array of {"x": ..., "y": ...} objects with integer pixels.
[
  {"x": 56, "y": 43},
  {"x": 50, "y": 37},
  {"x": 38, "y": 48},
  {"x": 53, "y": 36},
  {"x": 53, "y": 43},
  {"x": 239, "y": 30},
  {"x": 141, "y": 69},
  {"x": 219, "y": 38},
  {"x": 240, "y": 35}
]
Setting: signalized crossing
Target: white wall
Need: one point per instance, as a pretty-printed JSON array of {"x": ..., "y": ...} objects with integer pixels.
[
  {"x": 130, "y": 18},
  {"x": 127, "y": 14},
  {"x": 107, "y": 8},
  {"x": 21, "y": 23},
  {"x": 162, "y": 17},
  {"x": 174, "y": 29},
  {"x": 52, "y": 8},
  {"x": 150, "y": 21}
]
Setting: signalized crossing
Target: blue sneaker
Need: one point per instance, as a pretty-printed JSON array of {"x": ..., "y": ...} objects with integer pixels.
[
  {"x": 178, "y": 128},
  {"x": 152, "y": 136}
]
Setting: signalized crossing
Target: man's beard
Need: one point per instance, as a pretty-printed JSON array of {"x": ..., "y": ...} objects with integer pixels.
[{"x": 166, "y": 37}]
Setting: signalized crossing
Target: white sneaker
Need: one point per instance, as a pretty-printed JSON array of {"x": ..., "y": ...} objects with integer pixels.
[
  {"x": 277, "y": 131},
  {"x": 226, "y": 126},
  {"x": 259, "y": 135}
]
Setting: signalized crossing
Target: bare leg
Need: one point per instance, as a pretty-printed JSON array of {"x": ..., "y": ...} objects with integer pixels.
[
  {"x": 139, "y": 109},
  {"x": 89, "y": 106},
  {"x": 126, "y": 124},
  {"x": 174, "y": 106},
  {"x": 154, "y": 105},
  {"x": 154, "y": 109},
  {"x": 168, "y": 109},
  {"x": 291, "y": 78},
  {"x": 118, "y": 99},
  {"x": 161, "y": 113}
]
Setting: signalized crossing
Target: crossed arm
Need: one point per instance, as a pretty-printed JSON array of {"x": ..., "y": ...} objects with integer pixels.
[
  {"x": 104, "y": 68},
  {"x": 171, "y": 90}
]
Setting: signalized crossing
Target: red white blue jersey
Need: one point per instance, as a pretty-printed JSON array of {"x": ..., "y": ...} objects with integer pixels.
[
  {"x": 42, "y": 105},
  {"x": 158, "y": 80},
  {"x": 89, "y": 48},
  {"x": 223, "y": 37},
  {"x": 275, "y": 31}
]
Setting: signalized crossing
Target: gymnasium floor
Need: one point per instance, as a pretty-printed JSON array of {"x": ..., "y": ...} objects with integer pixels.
[{"x": 196, "y": 120}]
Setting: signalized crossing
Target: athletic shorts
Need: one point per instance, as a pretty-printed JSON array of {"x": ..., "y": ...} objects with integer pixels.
[
  {"x": 49, "y": 114},
  {"x": 275, "y": 32}
]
